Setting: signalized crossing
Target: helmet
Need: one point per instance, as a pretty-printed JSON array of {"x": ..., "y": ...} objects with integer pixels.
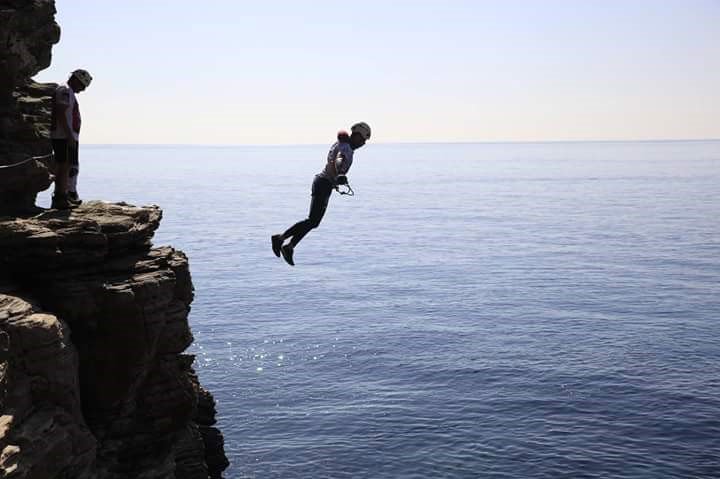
[
  {"x": 362, "y": 128},
  {"x": 83, "y": 77}
]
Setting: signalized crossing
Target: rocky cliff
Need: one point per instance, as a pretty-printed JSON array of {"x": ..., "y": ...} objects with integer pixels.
[
  {"x": 27, "y": 33},
  {"x": 94, "y": 382}
]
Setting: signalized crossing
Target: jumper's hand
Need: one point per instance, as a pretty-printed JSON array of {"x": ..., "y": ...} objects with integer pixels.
[{"x": 342, "y": 180}]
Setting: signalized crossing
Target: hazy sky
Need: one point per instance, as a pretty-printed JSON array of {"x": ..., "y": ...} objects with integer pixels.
[{"x": 249, "y": 72}]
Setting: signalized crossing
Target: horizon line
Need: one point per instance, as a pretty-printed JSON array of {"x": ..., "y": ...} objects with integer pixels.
[{"x": 462, "y": 142}]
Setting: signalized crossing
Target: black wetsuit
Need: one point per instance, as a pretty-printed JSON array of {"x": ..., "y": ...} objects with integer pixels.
[
  {"x": 339, "y": 160},
  {"x": 321, "y": 191}
]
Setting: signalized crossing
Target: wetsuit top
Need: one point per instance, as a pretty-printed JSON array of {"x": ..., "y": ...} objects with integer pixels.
[{"x": 340, "y": 155}]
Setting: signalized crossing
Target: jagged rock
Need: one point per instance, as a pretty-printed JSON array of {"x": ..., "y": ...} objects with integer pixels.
[
  {"x": 42, "y": 431},
  {"x": 27, "y": 33},
  {"x": 206, "y": 407},
  {"x": 25, "y": 143},
  {"x": 124, "y": 307},
  {"x": 87, "y": 236},
  {"x": 215, "y": 457},
  {"x": 189, "y": 455},
  {"x": 213, "y": 440}
]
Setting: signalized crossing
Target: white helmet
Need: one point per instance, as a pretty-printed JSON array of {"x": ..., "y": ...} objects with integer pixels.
[
  {"x": 83, "y": 77},
  {"x": 362, "y": 128}
]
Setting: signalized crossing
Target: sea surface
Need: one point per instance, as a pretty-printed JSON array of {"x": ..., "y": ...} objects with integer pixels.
[{"x": 528, "y": 310}]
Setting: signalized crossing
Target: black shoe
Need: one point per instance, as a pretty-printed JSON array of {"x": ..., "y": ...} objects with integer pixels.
[
  {"x": 287, "y": 254},
  {"x": 72, "y": 198},
  {"x": 60, "y": 202},
  {"x": 277, "y": 242}
]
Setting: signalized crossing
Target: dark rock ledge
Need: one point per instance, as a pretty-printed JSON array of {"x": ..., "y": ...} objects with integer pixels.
[{"x": 93, "y": 325}]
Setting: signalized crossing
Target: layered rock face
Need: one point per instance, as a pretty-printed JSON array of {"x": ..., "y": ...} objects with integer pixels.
[
  {"x": 27, "y": 33},
  {"x": 93, "y": 325},
  {"x": 94, "y": 382}
]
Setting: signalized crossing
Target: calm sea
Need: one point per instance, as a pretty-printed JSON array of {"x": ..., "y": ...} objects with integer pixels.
[{"x": 476, "y": 310}]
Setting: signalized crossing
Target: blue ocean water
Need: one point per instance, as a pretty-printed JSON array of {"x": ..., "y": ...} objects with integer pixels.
[{"x": 543, "y": 310}]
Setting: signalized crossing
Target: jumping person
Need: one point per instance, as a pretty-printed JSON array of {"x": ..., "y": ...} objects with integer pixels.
[
  {"x": 338, "y": 163},
  {"x": 65, "y": 135}
]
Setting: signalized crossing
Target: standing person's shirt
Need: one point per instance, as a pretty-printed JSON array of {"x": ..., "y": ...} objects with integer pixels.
[
  {"x": 340, "y": 155},
  {"x": 65, "y": 100}
]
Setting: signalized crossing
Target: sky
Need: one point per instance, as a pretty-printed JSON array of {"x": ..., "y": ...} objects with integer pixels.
[{"x": 227, "y": 72}]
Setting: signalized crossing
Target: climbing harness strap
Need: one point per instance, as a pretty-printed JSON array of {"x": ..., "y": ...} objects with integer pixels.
[{"x": 348, "y": 192}]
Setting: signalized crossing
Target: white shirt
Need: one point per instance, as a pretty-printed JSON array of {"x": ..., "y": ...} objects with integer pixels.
[{"x": 66, "y": 101}]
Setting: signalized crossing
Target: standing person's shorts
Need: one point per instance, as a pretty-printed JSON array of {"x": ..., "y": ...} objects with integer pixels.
[{"x": 63, "y": 152}]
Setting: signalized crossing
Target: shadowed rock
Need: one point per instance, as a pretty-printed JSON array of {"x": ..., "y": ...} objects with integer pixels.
[
  {"x": 27, "y": 33},
  {"x": 42, "y": 430},
  {"x": 105, "y": 371}
]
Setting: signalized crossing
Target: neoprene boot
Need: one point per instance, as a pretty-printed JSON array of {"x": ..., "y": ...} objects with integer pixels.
[
  {"x": 276, "y": 241},
  {"x": 287, "y": 254},
  {"x": 73, "y": 198},
  {"x": 60, "y": 202}
]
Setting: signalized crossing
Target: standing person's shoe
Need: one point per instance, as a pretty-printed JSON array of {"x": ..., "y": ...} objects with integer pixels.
[
  {"x": 277, "y": 242},
  {"x": 60, "y": 202},
  {"x": 73, "y": 198},
  {"x": 287, "y": 254}
]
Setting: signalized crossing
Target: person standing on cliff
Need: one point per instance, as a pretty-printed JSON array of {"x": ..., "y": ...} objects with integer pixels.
[
  {"x": 65, "y": 136},
  {"x": 339, "y": 160}
]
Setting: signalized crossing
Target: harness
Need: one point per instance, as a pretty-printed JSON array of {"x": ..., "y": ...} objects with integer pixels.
[
  {"x": 343, "y": 181},
  {"x": 349, "y": 191}
]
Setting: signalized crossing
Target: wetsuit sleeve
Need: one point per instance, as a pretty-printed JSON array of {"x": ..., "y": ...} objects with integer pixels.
[{"x": 344, "y": 160}]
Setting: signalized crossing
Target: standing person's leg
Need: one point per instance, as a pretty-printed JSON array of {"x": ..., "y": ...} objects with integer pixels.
[
  {"x": 73, "y": 172},
  {"x": 60, "y": 151}
]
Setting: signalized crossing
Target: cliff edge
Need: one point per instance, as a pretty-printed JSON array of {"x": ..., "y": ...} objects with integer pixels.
[{"x": 93, "y": 325}]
